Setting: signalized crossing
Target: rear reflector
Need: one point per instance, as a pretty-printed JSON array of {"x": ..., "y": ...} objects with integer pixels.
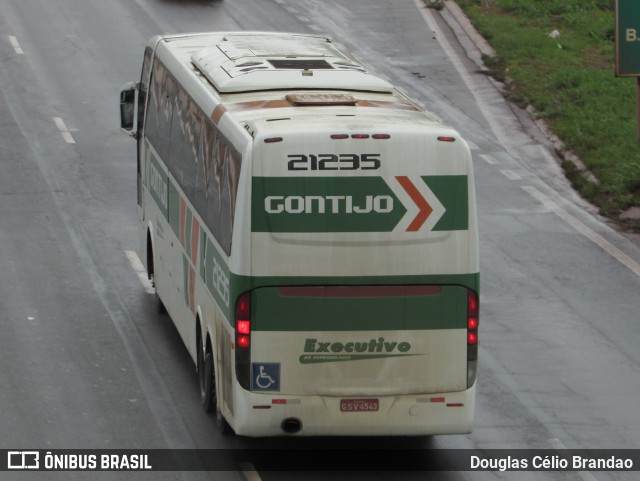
[
  {"x": 339, "y": 136},
  {"x": 272, "y": 140},
  {"x": 447, "y": 139},
  {"x": 360, "y": 136},
  {"x": 381, "y": 136}
]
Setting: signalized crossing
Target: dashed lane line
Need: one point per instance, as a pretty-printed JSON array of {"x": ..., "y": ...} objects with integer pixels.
[
  {"x": 64, "y": 131},
  {"x": 593, "y": 236},
  {"x": 140, "y": 271},
  {"x": 16, "y": 45}
]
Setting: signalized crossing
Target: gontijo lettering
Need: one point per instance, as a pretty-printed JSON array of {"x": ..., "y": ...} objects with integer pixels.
[{"x": 333, "y": 204}]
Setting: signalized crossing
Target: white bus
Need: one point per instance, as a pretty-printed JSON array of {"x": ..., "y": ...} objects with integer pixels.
[{"x": 311, "y": 232}]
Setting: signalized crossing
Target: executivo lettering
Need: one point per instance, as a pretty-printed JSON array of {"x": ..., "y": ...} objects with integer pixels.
[{"x": 352, "y": 350}]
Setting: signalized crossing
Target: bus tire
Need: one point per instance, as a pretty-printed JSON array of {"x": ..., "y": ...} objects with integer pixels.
[
  {"x": 208, "y": 393},
  {"x": 151, "y": 270},
  {"x": 207, "y": 382}
]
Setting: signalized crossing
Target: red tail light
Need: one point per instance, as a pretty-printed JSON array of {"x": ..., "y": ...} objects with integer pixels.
[
  {"x": 473, "y": 321},
  {"x": 243, "y": 340},
  {"x": 243, "y": 321},
  {"x": 472, "y": 324}
]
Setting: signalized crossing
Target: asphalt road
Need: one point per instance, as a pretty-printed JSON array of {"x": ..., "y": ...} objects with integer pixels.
[{"x": 88, "y": 363}]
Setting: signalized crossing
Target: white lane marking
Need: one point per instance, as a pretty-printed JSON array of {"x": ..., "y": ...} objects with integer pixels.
[
  {"x": 16, "y": 45},
  {"x": 500, "y": 134},
  {"x": 279, "y": 2},
  {"x": 489, "y": 159},
  {"x": 487, "y": 111},
  {"x": 557, "y": 444},
  {"x": 249, "y": 472},
  {"x": 472, "y": 145},
  {"x": 302, "y": 18},
  {"x": 66, "y": 135},
  {"x": 290, "y": 9},
  {"x": 510, "y": 174},
  {"x": 141, "y": 272},
  {"x": 313, "y": 26},
  {"x": 594, "y": 237}
]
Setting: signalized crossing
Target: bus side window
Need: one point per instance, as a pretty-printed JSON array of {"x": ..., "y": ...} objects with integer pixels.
[
  {"x": 144, "y": 86},
  {"x": 159, "y": 111},
  {"x": 185, "y": 136}
]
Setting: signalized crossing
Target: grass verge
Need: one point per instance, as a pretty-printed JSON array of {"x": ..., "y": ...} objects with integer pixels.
[{"x": 559, "y": 57}]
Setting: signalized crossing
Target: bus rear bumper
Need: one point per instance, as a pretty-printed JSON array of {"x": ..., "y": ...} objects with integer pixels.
[{"x": 405, "y": 415}]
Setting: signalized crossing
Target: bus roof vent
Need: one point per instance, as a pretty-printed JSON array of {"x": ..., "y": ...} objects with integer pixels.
[
  {"x": 304, "y": 64},
  {"x": 245, "y": 62}
]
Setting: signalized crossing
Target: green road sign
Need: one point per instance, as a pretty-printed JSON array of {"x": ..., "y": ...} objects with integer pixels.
[{"x": 627, "y": 38}]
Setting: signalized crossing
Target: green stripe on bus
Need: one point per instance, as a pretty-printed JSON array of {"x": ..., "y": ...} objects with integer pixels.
[
  {"x": 157, "y": 182},
  {"x": 274, "y": 310},
  {"x": 215, "y": 273},
  {"x": 185, "y": 279},
  {"x": 187, "y": 231},
  {"x": 174, "y": 209},
  {"x": 453, "y": 192},
  {"x": 226, "y": 286},
  {"x": 350, "y": 204}
]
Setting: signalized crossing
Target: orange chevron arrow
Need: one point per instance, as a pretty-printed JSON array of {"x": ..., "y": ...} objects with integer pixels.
[{"x": 419, "y": 200}]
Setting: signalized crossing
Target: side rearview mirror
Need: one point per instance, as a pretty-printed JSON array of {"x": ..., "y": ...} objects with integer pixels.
[{"x": 129, "y": 109}]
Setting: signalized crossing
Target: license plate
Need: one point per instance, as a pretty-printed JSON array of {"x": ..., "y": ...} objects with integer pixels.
[{"x": 358, "y": 405}]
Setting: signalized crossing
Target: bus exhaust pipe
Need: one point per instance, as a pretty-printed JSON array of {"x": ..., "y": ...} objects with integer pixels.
[{"x": 291, "y": 425}]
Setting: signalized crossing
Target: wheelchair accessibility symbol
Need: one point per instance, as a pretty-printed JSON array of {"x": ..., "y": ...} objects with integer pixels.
[{"x": 265, "y": 376}]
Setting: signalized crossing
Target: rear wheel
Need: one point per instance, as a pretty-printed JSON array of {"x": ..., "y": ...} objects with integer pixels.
[
  {"x": 208, "y": 393},
  {"x": 207, "y": 382},
  {"x": 152, "y": 276}
]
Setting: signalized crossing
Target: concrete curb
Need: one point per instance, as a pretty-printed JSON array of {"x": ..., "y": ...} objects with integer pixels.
[
  {"x": 478, "y": 40},
  {"x": 477, "y": 47}
]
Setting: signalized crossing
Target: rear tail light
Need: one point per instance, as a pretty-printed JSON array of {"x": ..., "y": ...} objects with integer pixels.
[
  {"x": 243, "y": 321},
  {"x": 473, "y": 321},
  {"x": 243, "y": 339},
  {"x": 446, "y": 139}
]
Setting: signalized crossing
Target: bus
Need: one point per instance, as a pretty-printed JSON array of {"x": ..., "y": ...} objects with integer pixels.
[{"x": 311, "y": 232}]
